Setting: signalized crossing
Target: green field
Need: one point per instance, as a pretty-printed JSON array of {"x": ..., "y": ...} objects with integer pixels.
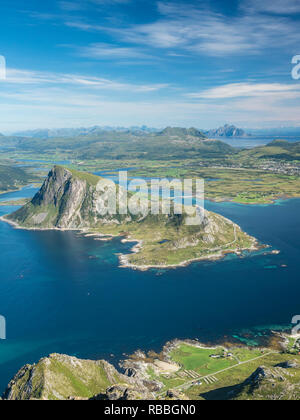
[{"x": 257, "y": 176}]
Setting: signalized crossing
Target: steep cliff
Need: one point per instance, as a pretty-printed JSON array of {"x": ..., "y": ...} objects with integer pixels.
[{"x": 67, "y": 200}]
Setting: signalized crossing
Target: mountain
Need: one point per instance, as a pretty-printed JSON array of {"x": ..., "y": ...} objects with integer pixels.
[
  {"x": 61, "y": 377},
  {"x": 82, "y": 131},
  {"x": 227, "y": 131},
  {"x": 181, "y": 371},
  {"x": 182, "y": 132},
  {"x": 138, "y": 143},
  {"x": 276, "y": 150},
  {"x": 11, "y": 178},
  {"x": 77, "y": 200}
]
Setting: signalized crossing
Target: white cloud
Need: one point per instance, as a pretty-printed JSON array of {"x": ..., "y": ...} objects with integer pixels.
[
  {"x": 238, "y": 90},
  {"x": 199, "y": 30},
  {"x": 26, "y": 77},
  {"x": 107, "y": 51},
  {"x": 60, "y": 106}
]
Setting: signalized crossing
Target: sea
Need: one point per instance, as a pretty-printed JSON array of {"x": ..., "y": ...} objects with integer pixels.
[{"x": 61, "y": 292}]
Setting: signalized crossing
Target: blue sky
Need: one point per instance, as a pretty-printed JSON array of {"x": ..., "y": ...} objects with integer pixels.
[{"x": 202, "y": 63}]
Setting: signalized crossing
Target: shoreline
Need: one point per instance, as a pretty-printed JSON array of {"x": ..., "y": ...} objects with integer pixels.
[
  {"x": 216, "y": 255},
  {"x": 269, "y": 203}
]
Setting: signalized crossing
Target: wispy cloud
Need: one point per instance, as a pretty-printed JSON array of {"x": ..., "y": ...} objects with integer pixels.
[
  {"x": 25, "y": 77},
  {"x": 239, "y": 90},
  {"x": 200, "y": 30},
  {"x": 53, "y": 107},
  {"x": 108, "y": 51},
  {"x": 74, "y": 5},
  {"x": 281, "y": 7}
]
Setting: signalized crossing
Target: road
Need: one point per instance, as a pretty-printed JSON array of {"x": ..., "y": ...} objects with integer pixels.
[{"x": 216, "y": 373}]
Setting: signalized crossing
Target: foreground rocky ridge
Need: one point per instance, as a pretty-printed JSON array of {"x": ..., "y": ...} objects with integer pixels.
[
  {"x": 61, "y": 377},
  {"x": 273, "y": 375},
  {"x": 71, "y": 200}
]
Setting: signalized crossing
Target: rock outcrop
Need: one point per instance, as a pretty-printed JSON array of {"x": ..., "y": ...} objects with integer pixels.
[
  {"x": 275, "y": 383},
  {"x": 227, "y": 131},
  {"x": 61, "y": 377},
  {"x": 68, "y": 200}
]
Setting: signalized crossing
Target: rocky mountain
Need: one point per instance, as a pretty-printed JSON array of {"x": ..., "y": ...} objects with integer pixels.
[
  {"x": 276, "y": 383},
  {"x": 227, "y": 131},
  {"x": 72, "y": 200},
  {"x": 61, "y": 377},
  {"x": 67, "y": 200},
  {"x": 158, "y": 376}
]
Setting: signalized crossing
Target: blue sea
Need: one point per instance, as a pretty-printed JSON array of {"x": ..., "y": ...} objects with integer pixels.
[
  {"x": 62, "y": 292},
  {"x": 255, "y": 141}
]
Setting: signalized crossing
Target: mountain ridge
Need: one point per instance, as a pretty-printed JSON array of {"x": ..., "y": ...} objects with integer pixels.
[{"x": 227, "y": 131}]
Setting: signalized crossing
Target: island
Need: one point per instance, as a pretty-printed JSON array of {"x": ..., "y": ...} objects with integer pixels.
[{"x": 73, "y": 200}]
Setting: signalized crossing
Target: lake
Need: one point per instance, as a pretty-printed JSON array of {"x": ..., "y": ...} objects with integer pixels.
[{"x": 62, "y": 292}]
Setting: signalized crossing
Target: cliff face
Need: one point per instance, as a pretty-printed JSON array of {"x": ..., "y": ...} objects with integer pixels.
[
  {"x": 227, "y": 131},
  {"x": 67, "y": 200}
]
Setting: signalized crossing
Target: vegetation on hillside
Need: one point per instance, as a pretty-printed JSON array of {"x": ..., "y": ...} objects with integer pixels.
[{"x": 12, "y": 178}]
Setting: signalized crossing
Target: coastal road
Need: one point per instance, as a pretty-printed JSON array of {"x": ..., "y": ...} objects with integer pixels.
[{"x": 184, "y": 385}]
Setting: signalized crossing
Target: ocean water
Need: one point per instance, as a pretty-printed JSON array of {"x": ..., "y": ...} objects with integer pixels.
[
  {"x": 254, "y": 141},
  {"x": 62, "y": 292}
]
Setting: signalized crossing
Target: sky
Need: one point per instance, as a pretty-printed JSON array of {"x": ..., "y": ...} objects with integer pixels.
[{"x": 202, "y": 63}]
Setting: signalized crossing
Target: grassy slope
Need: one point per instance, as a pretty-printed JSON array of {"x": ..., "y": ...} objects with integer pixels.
[
  {"x": 12, "y": 178},
  {"x": 61, "y": 377},
  {"x": 177, "y": 154},
  {"x": 230, "y": 383},
  {"x": 278, "y": 149}
]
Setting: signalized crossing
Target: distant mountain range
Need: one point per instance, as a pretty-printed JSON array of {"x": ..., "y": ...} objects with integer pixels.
[
  {"x": 226, "y": 131},
  {"x": 82, "y": 131}
]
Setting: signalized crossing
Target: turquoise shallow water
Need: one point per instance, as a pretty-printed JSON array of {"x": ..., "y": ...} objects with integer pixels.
[{"x": 61, "y": 292}]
